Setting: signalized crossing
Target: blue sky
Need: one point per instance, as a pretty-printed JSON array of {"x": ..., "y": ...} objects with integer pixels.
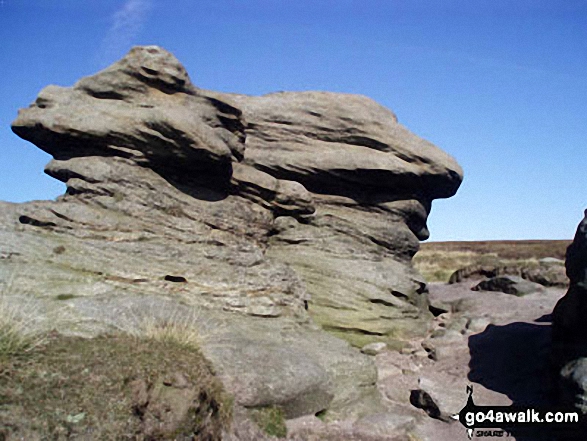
[{"x": 501, "y": 85}]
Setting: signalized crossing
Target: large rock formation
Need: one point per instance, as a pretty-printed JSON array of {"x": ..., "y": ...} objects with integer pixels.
[
  {"x": 569, "y": 323},
  {"x": 570, "y": 326},
  {"x": 267, "y": 214}
]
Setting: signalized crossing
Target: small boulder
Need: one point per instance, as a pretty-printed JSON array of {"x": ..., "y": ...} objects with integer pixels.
[
  {"x": 439, "y": 399},
  {"x": 508, "y": 285},
  {"x": 478, "y": 324},
  {"x": 374, "y": 348},
  {"x": 443, "y": 345},
  {"x": 547, "y": 274}
]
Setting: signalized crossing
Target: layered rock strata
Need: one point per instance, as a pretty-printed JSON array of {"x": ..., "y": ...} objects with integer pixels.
[{"x": 266, "y": 214}]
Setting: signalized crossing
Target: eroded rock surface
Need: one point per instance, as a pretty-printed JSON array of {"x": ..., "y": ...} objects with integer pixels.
[{"x": 265, "y": 213}]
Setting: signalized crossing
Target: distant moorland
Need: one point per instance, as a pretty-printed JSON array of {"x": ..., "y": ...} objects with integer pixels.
[{"x": 438, "y": 260}]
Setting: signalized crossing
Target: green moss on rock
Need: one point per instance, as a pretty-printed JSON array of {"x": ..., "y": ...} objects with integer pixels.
[{"x": 271, "y": 420}]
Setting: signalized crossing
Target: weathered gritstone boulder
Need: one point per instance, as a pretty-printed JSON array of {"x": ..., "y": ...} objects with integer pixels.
[
  {"x": 372, "y": 183},
  {"x": 259, "y": 212},
  {"x": 569, "y": 327}
]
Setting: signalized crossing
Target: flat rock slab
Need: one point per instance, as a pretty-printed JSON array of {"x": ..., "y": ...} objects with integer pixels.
[{"x": 502, "y": 308}]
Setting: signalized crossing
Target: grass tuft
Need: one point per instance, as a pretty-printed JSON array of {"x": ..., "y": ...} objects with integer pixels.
[
  {"x": 271, "y": 420},
  {"x": 19, "y": 331},
  {"x": 177, "y": 326}
]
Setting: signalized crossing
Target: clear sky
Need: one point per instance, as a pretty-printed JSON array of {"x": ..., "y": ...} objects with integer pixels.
[{"x": 499, "y": 84}]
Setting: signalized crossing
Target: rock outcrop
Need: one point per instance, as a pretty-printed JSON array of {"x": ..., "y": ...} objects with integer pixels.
[
  {"x": 570, "y": 327},
  {"x": 266, "y": 214},
  {"x": 509, "y": 285},
  {"x": 548, "y": 272}
]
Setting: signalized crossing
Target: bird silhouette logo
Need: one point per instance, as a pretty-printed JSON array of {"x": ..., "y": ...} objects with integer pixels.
[{"x": 469, "y": 407}]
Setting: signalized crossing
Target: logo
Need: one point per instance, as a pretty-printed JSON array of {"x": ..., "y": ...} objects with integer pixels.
[
  {"x": 497, "y": 418},
  {"x": 464, "y": 416}
]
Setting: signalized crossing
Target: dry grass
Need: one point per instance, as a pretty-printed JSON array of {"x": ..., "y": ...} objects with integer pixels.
[
  {"x": 19, "y": 328},
  {"x": 182, "y": 326},
  {"x": 505, "y": 249},
  {"x": 436, "y": 261}
]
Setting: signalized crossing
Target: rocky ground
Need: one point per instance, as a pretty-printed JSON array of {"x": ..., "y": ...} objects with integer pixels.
[{"x": 498, "y": 343}]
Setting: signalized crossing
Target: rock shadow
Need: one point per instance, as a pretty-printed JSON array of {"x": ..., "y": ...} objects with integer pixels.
[
  {"x": 205, "y": 186},
  {"x": 514, "y": 360},
  {"x": 546, "y": 318}
]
